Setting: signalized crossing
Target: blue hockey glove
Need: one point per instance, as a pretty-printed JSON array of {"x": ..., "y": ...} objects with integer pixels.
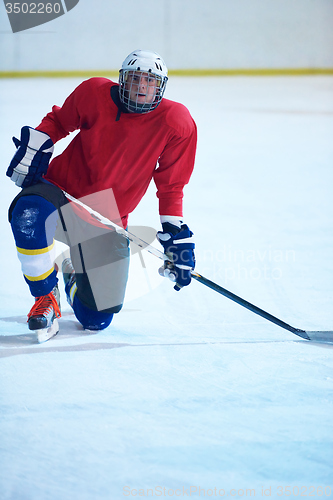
[
  {"x": 31, "y": 160},
  {"x": 179, "y": 248}
]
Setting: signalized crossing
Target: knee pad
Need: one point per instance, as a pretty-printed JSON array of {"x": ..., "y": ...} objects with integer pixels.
[{"x": 34, "y": 221}]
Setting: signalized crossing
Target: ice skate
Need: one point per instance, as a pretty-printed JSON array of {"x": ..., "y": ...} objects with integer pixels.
[
  {"x": 43, "y": 315},
  {"x": 68, "y": 274}
]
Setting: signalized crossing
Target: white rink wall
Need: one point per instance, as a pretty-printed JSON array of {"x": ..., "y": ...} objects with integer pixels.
[{"x": 189, "y": 34}]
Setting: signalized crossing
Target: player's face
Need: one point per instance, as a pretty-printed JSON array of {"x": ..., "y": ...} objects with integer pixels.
[{"x": 141, "y": 87}]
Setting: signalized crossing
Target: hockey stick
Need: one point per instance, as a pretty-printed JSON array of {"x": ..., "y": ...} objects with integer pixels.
[{"x": 316, "y": 336}]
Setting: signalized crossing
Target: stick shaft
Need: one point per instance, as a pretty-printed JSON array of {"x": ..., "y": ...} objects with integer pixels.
[
  {"x": 210, "y": 284},
  {"x": 248, "y": 305},
  {"x": 120, "y": 230}
]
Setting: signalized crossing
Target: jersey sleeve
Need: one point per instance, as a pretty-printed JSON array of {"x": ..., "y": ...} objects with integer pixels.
[
  {"x": 63, "y": 120},
  {"x": 176, "y": 164}
]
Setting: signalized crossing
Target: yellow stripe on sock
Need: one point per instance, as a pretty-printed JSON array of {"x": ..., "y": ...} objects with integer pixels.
[
  {"x": 41, "y": 277},
  {"x": 36, "y": 251},
  {"x": 72, "y": 292}
]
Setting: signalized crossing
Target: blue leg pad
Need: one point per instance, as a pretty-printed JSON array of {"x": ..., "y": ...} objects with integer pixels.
[{"x": 34, "y": 222}]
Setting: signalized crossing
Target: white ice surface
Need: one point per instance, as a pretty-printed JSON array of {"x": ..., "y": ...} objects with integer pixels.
[{"x": 189, "y": 390}]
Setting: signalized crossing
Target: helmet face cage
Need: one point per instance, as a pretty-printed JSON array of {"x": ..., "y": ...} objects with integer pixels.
[{"x": 141, "y": 91}]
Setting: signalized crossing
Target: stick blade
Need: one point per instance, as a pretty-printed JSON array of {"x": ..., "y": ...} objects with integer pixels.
[{"x": 325, "y": 336}]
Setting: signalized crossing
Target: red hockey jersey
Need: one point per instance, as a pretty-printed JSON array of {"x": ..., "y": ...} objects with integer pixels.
[{"x": 121, "y": 151}]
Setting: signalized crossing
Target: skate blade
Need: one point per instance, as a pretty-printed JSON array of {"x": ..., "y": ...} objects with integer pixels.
[{"x": 45, "y": 334}]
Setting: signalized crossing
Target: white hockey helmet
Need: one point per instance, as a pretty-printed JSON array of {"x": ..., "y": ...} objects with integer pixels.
[{"x": 139, "y": 68}]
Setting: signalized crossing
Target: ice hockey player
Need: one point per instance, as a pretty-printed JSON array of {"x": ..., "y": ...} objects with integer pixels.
[{"x": 128, "y": 135}]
